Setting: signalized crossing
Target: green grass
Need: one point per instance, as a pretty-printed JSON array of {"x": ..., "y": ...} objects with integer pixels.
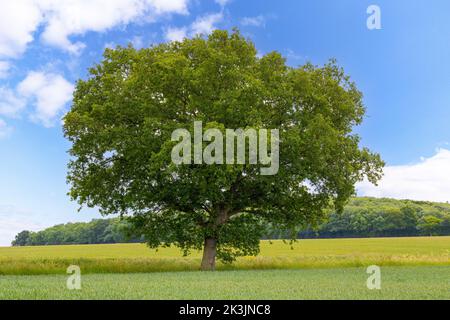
[
  {"x": 346, "y": 283},
  {"x": 137, "y": 258},
  {"x": 412, "y": 268}
]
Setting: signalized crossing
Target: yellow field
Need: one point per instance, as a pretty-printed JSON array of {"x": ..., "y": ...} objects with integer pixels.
[{"x": 329, "y": 253}]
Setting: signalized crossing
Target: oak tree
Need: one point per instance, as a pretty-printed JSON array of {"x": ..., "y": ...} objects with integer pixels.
[{"x": 123, "y": 116}]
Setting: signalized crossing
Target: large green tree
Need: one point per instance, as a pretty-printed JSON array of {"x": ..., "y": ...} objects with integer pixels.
[{"x": 124, "y": 114}]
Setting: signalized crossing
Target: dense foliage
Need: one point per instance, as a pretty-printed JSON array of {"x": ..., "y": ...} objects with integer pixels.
[{"x": 362, "y": 217}]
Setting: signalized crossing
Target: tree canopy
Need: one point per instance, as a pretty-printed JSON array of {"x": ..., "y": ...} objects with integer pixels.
[{"x": 124, "y": 114}]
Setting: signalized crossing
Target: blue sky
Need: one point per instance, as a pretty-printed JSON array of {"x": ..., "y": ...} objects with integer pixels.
[{"x": 46, "y": 45}]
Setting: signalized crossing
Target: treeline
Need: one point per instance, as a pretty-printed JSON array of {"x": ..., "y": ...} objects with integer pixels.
[
  {"x": 373, "y": 217},
  {"x": 99, "y": 231},
  {"x": 362, "y": 217}
]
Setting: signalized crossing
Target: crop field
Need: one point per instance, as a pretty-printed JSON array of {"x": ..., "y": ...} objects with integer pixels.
[
  {"x": 138, "y": 258},
  {"x": 412, "y": 268},
  {"x": 341, "y": 283}
]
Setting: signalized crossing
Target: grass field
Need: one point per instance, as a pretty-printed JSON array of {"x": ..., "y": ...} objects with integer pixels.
[
  {"x": 137, "y": 258},
  {"x": 346, "y": 283},
  {"x": 412, "y": 268}
]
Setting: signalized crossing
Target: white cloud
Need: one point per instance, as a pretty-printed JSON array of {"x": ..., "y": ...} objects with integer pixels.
[
  {"x": 19, "y": 19},
  {"x": 5, "y": 130},
  {"x": 13, "y": 221},
  {"x": 10, "y": 104},
  {"x": 48, "y": 92},
  {"x": 110, "y": 45},
  {"x": 4, "y": 69},
  {"x": 76, "y": 17},
  {"x": 169, "y": 6},
  {"x": 203, "y": 25},
  {"x": 222, "y": 3},
  {"x": 254, "y": 21},
  {"x": 292, "y": 55},
  {"x": 427, "y": 180},
  {"x": 9, "y": 228},
  {"x": 175, "y": 34},
  {"x": 137, "y": 42},
  {"x": 206, "y": 24}
]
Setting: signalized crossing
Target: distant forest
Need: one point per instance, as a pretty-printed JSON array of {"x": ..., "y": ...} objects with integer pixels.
[
  {"x": 373, "y": 217},
  {"x": 362, "y": 217}
]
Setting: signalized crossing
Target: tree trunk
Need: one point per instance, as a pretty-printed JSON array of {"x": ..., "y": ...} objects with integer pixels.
[{"x": 209, "y": 255}]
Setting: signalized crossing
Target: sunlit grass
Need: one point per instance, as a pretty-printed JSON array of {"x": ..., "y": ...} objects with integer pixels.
[{"x": 138, "y": 258}]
